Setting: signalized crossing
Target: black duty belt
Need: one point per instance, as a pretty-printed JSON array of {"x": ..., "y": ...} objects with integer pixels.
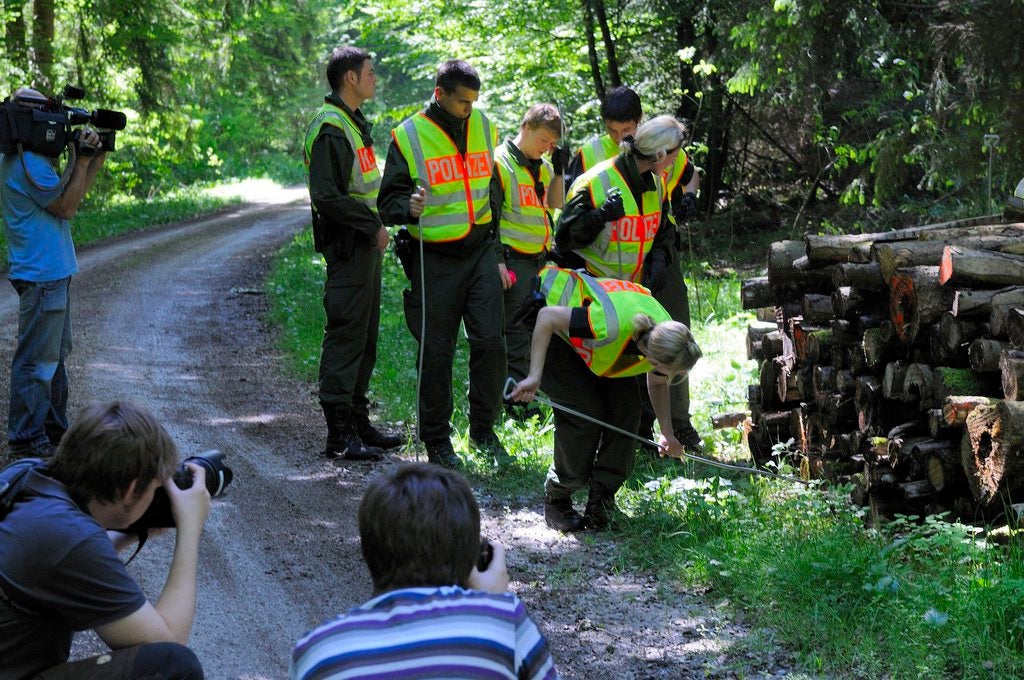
[{"x": 512, "y": 254}]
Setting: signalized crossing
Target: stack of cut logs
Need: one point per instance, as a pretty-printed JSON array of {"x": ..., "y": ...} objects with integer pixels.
[{"x": 894, "y": 361}]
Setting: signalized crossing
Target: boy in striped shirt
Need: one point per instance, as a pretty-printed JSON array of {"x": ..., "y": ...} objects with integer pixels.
[{"x": 434, "y": 612}]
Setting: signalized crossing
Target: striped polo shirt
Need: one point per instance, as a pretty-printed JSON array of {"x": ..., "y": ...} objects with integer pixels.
[{"x": 444, "y": 632}]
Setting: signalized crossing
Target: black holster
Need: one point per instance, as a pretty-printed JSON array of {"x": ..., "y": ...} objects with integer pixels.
[
  {"x": 531, "y": 305},
  {"x": 405, "y": 249}
]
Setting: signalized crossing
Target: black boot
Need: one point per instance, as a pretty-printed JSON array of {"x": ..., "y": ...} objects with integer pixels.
[
  {"x": 559, "y": 514},
  {"x": 442, "y": 453},
  {"x": 371, "y": 436},
  {"x": 342, "y": 440},
  {"x": 600, "y": 508}
]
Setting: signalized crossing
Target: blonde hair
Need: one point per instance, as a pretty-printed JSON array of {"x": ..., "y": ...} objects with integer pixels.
[
  {"x": 655, "y": 139},
  {"x": 669, "y": 343}
]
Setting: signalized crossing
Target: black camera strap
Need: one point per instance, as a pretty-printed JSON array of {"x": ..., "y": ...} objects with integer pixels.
[{"x": 143, "y": 534}]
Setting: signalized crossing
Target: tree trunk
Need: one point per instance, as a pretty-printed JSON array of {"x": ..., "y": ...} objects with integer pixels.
[
  {"x": 876, "y": 350},
  {"x": 895, "y": 255},
  {"x": 917, "y": 386},
  {"x": 756, "y": 293},
  {"x": 980, "y": 268},
  {"x": 1015, "y": 327},
  {"x": 837, "y": 248},
  {"x": 916, "y": 299},
  {"x": 722, "y": 421},
  {"x": 956, "y": 333},
  {"x": 42, "y": 41},
  {"x": 893, "y": 380},
  {"x": 755, "y": 338},
  {"x": 14, "y": 39},
  {"x": 978, "y": 302},
  {"x": 984, "y": 354},
  {"x": 994, "y": 456},
  {"x": 946, "y": 472},
  {"x": 997, "y": 318},
  {"x": 864, "y": 276},
  {"x": 595, "y": 64},
  {"x": 865, "y": 400},
  {"x": 1011, "y": 367},
  {"x": 955, "y": 409},
  {"x": 817, "y": 309},
  {"x": 609, "y": 44}
]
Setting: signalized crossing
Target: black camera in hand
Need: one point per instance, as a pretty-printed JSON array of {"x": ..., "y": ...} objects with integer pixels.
[
  {"x": 107, "y": 142},
  {"x": 486, "y": 555},
  {"x": 44, "y": 125},
  {"x": 218, "y": 477}
]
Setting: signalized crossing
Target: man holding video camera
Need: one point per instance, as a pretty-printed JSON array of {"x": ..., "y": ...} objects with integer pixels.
[
  {"x": 36, "y": 208},
  {"x": 60, "y": 571}
]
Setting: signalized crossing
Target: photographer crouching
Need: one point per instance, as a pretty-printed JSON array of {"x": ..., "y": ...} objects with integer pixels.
[
  {"x": 36, "y": 206},
  {"x": 60, "y": 571}
]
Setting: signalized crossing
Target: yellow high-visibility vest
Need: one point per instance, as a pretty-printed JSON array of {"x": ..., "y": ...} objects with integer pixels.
[
  {"x": 611, "y": 305},
  {"x": 364, "y": 180},
  {"x": 525, "y": 225},
  {"x": 598, "y": 149},
  {"x": 457, "y": 185},
  {"x": 619, "y": 250}
]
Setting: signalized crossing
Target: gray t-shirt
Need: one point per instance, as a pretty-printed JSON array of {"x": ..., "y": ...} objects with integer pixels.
[{"x": 59, "y": 573}]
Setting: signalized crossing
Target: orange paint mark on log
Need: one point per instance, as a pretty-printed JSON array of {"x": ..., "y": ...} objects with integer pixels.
[{"x": 946, "y": 265}]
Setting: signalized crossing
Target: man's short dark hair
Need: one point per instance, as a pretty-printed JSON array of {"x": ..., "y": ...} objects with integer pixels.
[
  {"x": 343, "y": 60},
  {"x": 622, "y": 105},
  {"x": 455, "y": 72},
  {"x": 108, "y": 447},
  {"x": 419, "y": 526}
]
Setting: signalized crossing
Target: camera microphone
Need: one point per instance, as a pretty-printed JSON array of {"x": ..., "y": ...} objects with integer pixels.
[{"x": 109, "y": 120}]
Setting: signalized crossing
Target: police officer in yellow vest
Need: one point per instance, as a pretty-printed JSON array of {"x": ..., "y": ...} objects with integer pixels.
[
  {"x": 531, "y": 188},
  {"x": 439, "y": 181},
  {"x": 612, "y": 330},
  {"x": 343, "y": 184},
  {"x": 621, "y": 112}
]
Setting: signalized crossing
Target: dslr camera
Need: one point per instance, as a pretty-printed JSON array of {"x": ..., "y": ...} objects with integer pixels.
[
  {"x": 218, "y": 476},
  {"x": 46, "y": 125}
]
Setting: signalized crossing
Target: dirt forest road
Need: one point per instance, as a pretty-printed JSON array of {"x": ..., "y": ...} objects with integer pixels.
[
  {"x": 167, "y": 320},
  {"x": 174, "y": 320}
]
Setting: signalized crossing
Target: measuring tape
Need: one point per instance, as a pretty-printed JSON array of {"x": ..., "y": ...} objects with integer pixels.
[{"x": 510, "y": 385}]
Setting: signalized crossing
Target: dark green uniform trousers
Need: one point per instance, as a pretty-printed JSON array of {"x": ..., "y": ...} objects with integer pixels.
[
  {"x": 517, "y": 336},
  {"x": 587, "y": 454},
  {"x": 349, "y": 350},
  {"x": 458, "y": 289},
  {"x": 674, "y": 297}
]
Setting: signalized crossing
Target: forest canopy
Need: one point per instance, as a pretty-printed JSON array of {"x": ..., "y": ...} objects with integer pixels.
[{"x": 804, "y": 113}]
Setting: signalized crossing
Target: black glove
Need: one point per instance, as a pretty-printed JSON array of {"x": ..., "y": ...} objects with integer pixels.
[
  {"x": 560, "y": 159},
  {"x": 655, "y": 271},
  {"x": 687, "y": 207},
  {"x": 612, "y": 209}
]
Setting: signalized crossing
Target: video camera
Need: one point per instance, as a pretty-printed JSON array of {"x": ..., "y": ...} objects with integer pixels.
[
  {"x": 218, "y": 477},
  {"x": 44, "y": 124}
]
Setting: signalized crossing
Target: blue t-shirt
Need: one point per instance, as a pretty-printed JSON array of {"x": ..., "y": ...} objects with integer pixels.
[
  {"x": 59, "y": 573},
  {"x": 39, "y": 243}
]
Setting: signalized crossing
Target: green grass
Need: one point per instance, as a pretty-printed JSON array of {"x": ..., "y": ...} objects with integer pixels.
[{"x": 910, "y": 600}]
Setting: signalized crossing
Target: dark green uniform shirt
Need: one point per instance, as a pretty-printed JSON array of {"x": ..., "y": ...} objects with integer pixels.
[{"x": 330, "y": 169}]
